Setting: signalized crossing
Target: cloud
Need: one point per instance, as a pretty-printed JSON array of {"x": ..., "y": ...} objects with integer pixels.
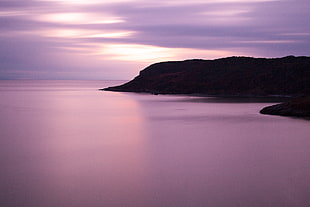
[{"x": 44, "y": 36}]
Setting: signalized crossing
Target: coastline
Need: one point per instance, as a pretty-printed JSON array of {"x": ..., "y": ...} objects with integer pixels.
[
  {"x": 289, "y": 105},
  {"x": 297, "y": 107},
  {"x": 281, "y": 79}
]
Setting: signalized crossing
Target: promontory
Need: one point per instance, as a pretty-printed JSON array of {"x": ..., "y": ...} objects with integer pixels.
[{"x": 231, "y": 76}]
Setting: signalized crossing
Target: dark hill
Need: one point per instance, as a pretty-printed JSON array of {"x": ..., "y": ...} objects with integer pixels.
[{"x": 241, "y": 76}]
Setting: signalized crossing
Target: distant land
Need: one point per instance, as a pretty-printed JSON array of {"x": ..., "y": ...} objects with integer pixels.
[{"x": 231, "y": 76}]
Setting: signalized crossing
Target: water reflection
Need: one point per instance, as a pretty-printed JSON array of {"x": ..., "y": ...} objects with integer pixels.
[
  {"x": 97, "y": 154},
  {"x": 223, "y": 154},
  {"x": 72, "y": 148},
  {"x": 65, "y": 145}
]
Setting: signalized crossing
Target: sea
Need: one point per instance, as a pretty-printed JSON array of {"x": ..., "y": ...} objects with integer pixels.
[{"x": 68, "y": 144}]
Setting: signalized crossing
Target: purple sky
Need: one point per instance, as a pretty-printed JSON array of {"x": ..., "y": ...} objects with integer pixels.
[{"x": 115, "y": 39}]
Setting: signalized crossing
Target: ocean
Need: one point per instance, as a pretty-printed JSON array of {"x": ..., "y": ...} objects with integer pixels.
[{"x": 68, "y": 144}]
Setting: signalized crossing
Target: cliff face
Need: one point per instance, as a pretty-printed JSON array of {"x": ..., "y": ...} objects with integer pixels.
[{"x": 227, "y": 76}]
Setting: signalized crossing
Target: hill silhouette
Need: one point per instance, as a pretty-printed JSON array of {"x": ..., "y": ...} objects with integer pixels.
[{"x": 236, "y": 76}]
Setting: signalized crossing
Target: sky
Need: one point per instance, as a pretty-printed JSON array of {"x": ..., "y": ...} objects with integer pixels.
[{"x": 115, "y": 39}]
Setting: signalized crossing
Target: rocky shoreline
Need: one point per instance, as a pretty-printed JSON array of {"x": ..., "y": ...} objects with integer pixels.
[
  {"x": 232, "y": 77},
  {"x": 298, "y": 107}
]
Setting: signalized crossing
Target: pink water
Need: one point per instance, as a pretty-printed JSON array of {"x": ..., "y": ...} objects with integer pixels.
[{"x": 66, "y": 144}]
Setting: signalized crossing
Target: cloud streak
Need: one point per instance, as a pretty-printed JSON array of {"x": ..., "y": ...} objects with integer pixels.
[{"x": 115, "y": 39}]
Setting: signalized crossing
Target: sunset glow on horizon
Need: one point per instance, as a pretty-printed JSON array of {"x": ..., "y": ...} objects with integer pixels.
[{"x": 137, "y": 33}]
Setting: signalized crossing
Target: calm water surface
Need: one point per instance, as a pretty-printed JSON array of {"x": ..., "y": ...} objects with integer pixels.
[{"x": 66, "y": 144}]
